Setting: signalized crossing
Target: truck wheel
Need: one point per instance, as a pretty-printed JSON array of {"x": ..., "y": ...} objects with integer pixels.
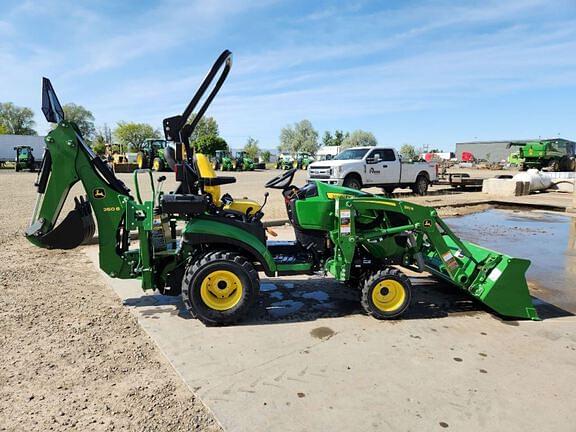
[
  {"x": 386, "y": 294},
  {"x": 353, "y": 182},
  {"x": 157, "y": 165},
  {"x": 219, "y": 288},
  {"x": 421, "y": 185}
]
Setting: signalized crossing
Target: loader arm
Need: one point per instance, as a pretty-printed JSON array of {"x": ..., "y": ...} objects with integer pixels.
[{"x": 495, "y": 279}]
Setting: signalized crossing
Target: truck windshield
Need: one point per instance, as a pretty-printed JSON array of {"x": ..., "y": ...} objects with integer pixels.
[{"x": 351, "y": 154}]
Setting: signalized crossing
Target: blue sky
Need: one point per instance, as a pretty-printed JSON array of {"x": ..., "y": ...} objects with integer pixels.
[{"x": 420, "y": 72}]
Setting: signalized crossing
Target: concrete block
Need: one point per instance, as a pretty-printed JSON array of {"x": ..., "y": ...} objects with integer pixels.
[{"x": 505, "y": 187}]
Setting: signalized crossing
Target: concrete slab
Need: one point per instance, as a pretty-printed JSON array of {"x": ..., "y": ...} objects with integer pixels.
[
  {"x": 505, "y": 187},
  {"x": 308, "y": 360}
]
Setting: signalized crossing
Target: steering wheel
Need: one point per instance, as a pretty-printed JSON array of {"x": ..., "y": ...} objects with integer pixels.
[{"x": 282, "y": 181}]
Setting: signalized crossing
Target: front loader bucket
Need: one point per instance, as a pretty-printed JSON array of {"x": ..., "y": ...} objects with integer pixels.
[
  {"x": 495, "y": 279},
  {"x": 76, "y": 228}
]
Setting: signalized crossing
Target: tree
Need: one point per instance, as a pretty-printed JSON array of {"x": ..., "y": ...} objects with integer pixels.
[
  {"x": 359, "y": 138},
  {"x": 17, "y": 120},
  {"x": 133, "y": 135},
  {"x": 205, "y": 127},
  {"x": 327, "y": 139},
  {"x": 99, "y": 148},
  {"x": 339, "y": 137},
  {"x": 251, "y": 148},
  {"x": 3, "y": 130},
  {"x": 408, "y": 152},
  {"x": 208, "y": 144},
  {"x": 83, "y": 119},
  {"x": 266, "y": 156},
  {"x": 299, "y": 137}
]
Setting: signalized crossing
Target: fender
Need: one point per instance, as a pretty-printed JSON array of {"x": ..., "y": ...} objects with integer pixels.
[{"x": 208, "y": 231}]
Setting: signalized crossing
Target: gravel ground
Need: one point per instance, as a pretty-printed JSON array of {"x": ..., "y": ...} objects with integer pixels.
[{"x": 73, "y": 358}]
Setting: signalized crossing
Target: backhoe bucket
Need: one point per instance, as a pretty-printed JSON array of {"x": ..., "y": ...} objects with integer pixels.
[
  {"x": 76, "y": 228},
  {"x": 495, "y": 279}
]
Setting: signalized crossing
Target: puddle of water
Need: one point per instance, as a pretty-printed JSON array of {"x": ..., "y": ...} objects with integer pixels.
[
  {"x": 276, "y": 295},
  {"x": 547, "y": 240},
  {"x": 320, "y": 296},
  {"x": 267, "y": 287},
  {"x": 284, "y": 308}
]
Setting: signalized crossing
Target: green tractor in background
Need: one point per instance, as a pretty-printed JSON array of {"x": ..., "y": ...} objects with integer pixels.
[
  {"x": 303, "y": 159},
  {"x": 222, "y": 161},
  {"x": 548, "y": 155},
  {"x": 151, "y": 155},
  {"x": 359, "y": 238},
  {"x": 285, "y": 162},
  {"x": 24, "y": 159},
  {"x": 242, "y": 162}
]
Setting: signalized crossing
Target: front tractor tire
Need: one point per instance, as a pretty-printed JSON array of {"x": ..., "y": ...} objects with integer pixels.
[
  {"x": 386, "y": 294},
  {"x": 353, "y": 181},
  {"x": 219, "y": 288},
  {"x": 157, "y": 165}
]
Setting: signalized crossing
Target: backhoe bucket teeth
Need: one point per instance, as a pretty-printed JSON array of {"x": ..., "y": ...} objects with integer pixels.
[
  {"x": 499, "y": 281},
  {"x": 76, "y": 228}
]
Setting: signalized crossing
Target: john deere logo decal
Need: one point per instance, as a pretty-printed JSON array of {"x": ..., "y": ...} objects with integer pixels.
[
  {"x": 99, "y": 193},
  {"x": 427, "y": 223}
]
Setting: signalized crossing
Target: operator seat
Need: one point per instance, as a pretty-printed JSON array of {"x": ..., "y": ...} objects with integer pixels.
[{"x": 206, "y": 171}]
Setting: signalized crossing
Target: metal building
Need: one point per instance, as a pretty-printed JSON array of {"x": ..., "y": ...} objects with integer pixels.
[{"x": 492, "y": 151}]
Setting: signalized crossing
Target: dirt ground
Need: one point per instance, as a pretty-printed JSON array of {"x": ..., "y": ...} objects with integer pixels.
[{"x": 73, "y": 358}]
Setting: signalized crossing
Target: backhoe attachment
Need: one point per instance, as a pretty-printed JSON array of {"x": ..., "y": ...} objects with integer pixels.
[{"x": 76, "y": 228}]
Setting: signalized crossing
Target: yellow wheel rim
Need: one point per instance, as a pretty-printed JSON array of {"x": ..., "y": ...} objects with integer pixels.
[
  {"x": 156, "y": 165},
  {"x": 388, "y": 295},
  {"x": 221, "y": 290},
  {"x": 140, "y": 161}
]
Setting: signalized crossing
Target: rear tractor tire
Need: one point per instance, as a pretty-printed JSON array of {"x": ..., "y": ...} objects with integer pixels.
[
  {"x": 219, "y": 288},
  {"x": 141, "y": 160},
  {"x": 386, "y": 294},
  {"x": 352, "y": 182}
]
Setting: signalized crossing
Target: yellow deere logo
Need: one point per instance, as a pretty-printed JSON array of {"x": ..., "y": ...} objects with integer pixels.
[{"x": 99, "y": 193}]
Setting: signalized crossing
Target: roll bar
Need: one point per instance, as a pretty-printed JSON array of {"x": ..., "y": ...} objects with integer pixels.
[{"x": 177, "y": 128}]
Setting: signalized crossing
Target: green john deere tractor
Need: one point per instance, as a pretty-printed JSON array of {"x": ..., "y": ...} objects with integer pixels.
[
  {"x": 242, "y": 162},
  {"x": 222, "y": 161},
  {"x": 214, "y": 264},
  {"x": 550, "y": 155},
  {"x": 151, "y": 155},
  {"x": 303, "y": 159},
  {"x": 24, "y": 159},
  {"x": 285, "y": 162}
]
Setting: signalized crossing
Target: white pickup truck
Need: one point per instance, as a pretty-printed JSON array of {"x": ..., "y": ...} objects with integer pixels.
[{"x": 360, "y": 167}]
